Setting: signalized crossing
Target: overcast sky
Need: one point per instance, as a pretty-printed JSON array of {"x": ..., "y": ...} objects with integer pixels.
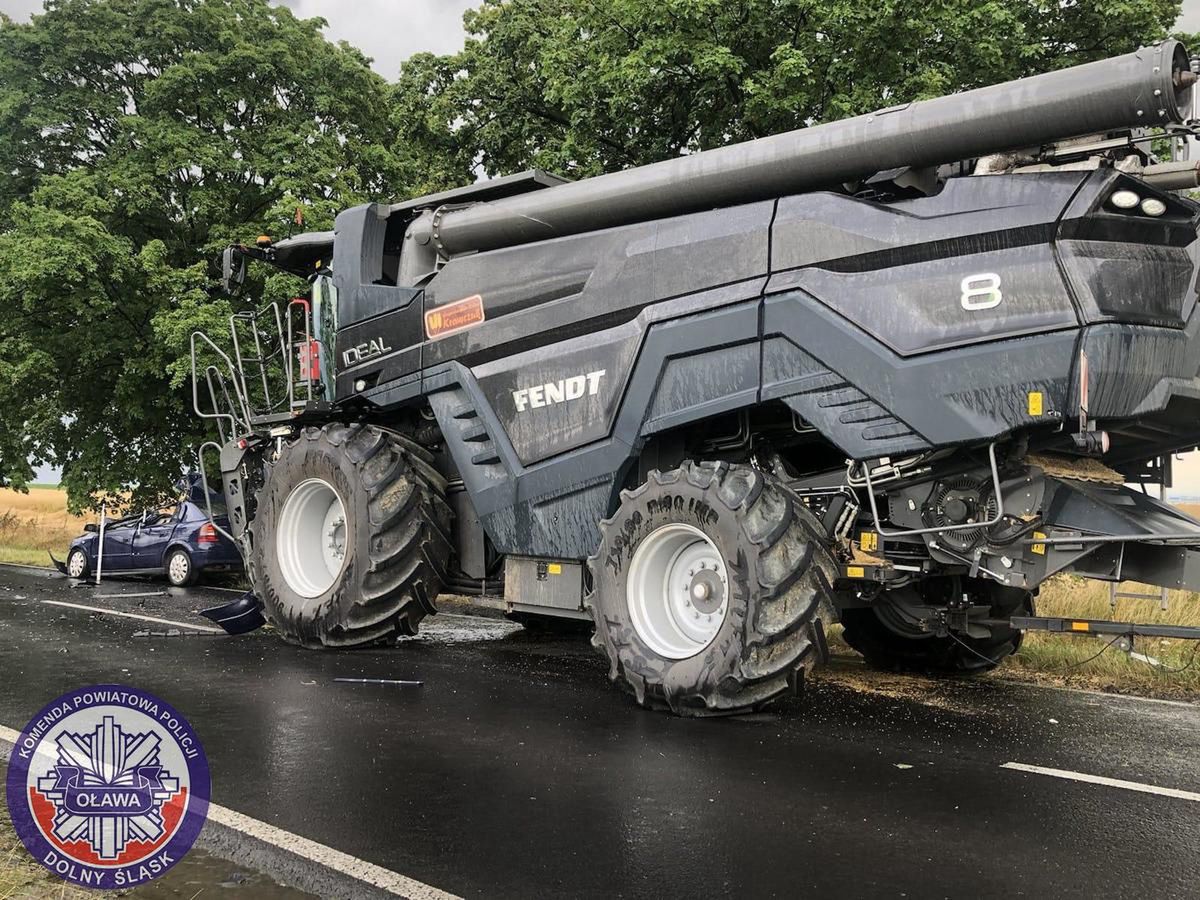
[{"x": 388, "y": 31}]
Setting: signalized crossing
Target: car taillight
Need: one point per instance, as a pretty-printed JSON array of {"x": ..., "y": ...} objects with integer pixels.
[{"x": 208, "y": 534}]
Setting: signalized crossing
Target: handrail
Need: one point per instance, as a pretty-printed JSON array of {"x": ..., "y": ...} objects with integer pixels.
[{"x": 232, "y": 417}]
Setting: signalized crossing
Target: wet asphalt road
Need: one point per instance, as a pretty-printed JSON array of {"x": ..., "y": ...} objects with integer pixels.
[{"x": 517, "y": 771}]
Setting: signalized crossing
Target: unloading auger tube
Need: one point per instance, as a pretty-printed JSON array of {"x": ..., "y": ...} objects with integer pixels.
[{"x": 1146, "y": 88}]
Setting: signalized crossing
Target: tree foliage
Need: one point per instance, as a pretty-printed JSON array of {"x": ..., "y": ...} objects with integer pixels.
[
  {"x": 137, "y": 138},
  {"x": 587, "y": 86}
]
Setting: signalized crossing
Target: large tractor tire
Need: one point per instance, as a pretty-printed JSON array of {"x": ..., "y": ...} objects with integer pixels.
[
  {"x": 887, "y": 636},
  {"x": 707, "y": 590},
  {"x": 351, "y": 539}
]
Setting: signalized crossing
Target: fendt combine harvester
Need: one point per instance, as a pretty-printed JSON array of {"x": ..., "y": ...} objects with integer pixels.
[{"x": 894, "y": 371}]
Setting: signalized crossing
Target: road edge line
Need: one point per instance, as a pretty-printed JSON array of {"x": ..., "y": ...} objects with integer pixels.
[
  {"x": 129, "y": 615},
  {"x": 289, "y": 858},
  {"x": 1101, "y": 779}
]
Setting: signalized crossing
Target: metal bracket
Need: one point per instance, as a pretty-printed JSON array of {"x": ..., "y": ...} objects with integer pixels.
[
  {"x": 207, "y": 493},
  {"x": 1101, "y": 626},
  {"x": 943, "y": 529}
]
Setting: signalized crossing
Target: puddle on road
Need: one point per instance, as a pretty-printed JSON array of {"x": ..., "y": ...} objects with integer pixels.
[{"x": 450, "y": 628}]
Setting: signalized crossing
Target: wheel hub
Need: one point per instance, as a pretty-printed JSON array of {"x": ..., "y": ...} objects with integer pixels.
[
  {"x": 677, "y": 591},
  {"x": 312, "y": 538},
  {"x": 179, "y": 567},
  {"x": 707, "y": 591}
]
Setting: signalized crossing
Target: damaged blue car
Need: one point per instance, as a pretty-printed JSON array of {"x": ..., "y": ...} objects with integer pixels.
[{"x": 177, "y": 541}]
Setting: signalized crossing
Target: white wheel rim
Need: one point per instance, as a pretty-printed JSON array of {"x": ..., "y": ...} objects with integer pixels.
[
  {"x": 178, "y": 568},
  {"x": 75, "y": 565},
  {"x": 311, "y": 540},
  {"x": 677, "y": 589}
]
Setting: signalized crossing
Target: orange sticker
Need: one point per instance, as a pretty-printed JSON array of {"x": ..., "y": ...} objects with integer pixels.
[{"x": 454, "y": 317}]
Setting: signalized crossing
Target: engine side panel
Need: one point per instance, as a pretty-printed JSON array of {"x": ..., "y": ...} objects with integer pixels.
[
  {"x": 869, "y": 326},
  {"x": 553, "y": 507}
]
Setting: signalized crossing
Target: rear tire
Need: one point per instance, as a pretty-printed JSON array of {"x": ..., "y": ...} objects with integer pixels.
[
  {"x": 179, "y": 568},
  {"x": 765, "y": 594},
  {"x": 885, "y": 645},
  {"x": 395, "y": 538}
]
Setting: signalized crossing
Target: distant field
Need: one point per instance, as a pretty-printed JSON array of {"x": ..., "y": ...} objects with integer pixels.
[{"x": 34, "y": 523}]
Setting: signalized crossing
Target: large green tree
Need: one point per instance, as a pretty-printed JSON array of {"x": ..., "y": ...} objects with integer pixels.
[
  {"x": 587, "y": 86},
  {"x": 137, "y": 138}
]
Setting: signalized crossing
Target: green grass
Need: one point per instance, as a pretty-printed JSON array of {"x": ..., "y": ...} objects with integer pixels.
[
  {"x": 1064, "y": 659},
  {"x": 27, "y": 556},
  {"x": 23, "y": 877}
]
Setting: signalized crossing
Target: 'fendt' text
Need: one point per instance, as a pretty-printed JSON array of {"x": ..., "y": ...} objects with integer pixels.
[{"x": 558, "y": 391}]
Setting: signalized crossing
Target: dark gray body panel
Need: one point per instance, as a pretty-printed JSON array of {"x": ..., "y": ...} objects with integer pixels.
[{"x": 849, "y": 312}]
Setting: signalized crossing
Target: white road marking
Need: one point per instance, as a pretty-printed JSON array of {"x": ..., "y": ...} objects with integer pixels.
[
  {"x": 118, "y": 596},
  {"x": 129, "y": 615},
  {"x": 343, "y": 863},
  {"x": 1109, "y": 782},
  {"x": 360, "y": 869}
]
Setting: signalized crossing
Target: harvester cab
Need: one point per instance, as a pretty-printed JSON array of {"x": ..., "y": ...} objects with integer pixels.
[{"x": 903, "y": 367}]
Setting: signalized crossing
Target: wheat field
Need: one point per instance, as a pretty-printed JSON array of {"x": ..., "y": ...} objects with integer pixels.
[{"x": 33, "y": 524}]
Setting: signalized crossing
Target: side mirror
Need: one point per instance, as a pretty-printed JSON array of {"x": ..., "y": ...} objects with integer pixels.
[
  {"x": 233, "y": 270},
  {"x": 91, "y": 528}
]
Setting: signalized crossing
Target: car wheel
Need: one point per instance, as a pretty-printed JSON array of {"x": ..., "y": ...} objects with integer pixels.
[
  {"x": 77, "y": 564},
  {"x": 180, "y": 571}
]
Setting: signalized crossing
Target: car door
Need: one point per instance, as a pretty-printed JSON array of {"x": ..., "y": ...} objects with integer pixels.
[
  {"x": 118, "y": 544},
  {"x": 152, "y": 536}
]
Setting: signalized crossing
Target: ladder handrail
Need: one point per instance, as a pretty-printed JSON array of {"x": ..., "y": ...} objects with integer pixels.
[{"x": 234, "y": 421}]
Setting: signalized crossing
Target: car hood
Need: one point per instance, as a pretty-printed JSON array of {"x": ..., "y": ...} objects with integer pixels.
[{"x": 84, "y": 540}]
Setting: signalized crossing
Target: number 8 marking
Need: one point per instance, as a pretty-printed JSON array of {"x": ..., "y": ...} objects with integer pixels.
[{"x": 981, "y": 291}]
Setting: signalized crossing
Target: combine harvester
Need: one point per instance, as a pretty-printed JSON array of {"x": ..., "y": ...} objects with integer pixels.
[{"x": 893, "y": 371}]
